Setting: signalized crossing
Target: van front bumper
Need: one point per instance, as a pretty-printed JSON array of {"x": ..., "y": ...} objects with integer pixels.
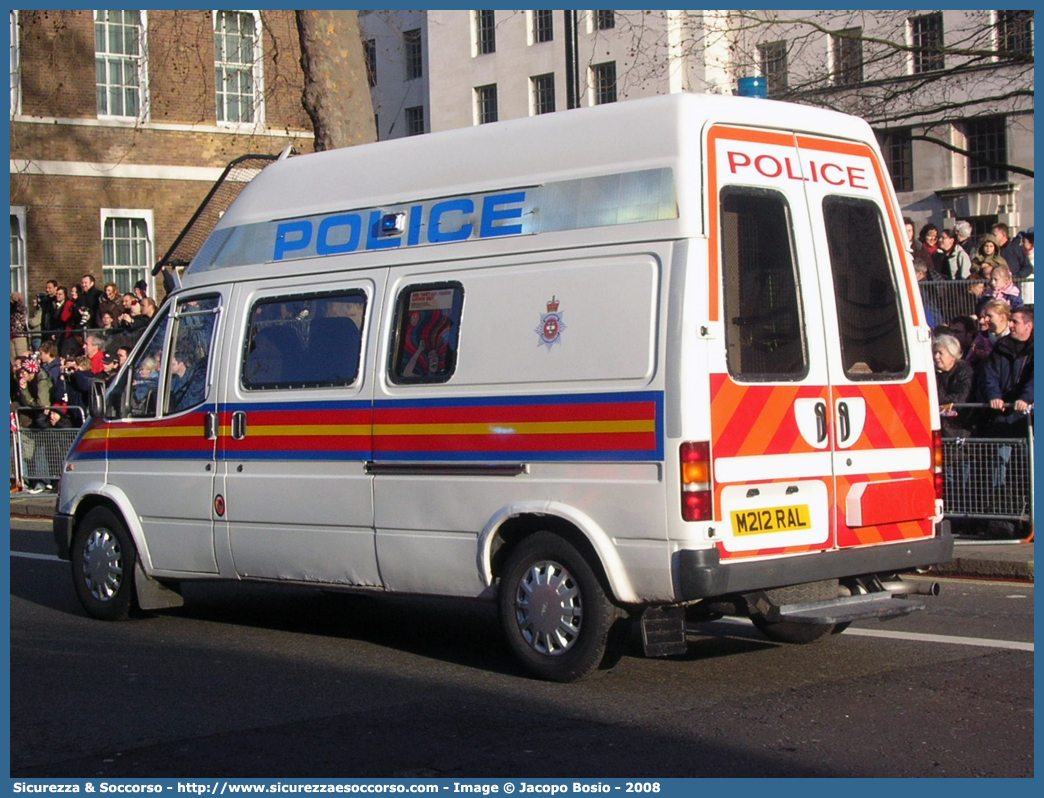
[{"x": 701, "y": 574}]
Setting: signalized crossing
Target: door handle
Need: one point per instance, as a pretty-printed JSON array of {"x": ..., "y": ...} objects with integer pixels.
[
  {"x": 844, "y": 421},
  {"x": 821, "y": 422},
  {"x": 210, "y": 425},
  {"x": 239, "y": 425}
]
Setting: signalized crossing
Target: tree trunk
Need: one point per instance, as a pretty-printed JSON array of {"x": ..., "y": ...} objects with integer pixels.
[{"x": 336, "y": 91}]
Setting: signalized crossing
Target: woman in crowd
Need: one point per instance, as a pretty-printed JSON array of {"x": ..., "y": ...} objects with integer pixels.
[{"x": 954, "y": 377}]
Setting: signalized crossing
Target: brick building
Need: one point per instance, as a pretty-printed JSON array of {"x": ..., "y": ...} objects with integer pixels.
[{"x": 121, "y": 121}]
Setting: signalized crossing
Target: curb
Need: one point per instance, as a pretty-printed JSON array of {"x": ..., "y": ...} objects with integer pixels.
[{"x": 980, "y": 568}]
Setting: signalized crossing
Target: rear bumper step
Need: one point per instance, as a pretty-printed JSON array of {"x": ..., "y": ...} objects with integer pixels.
[{"x": 850, "y": 608}]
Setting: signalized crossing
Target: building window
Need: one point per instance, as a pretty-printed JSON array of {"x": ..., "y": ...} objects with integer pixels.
[
  {"x": 603, "y": 81},
  {"x": 1014, "y": 33},
  {"x": 15, "y": 66},
  {"x": 987, "y": 144},
  {"x": 485, "y": 33},
  {"x": 18, "y": 271},
  {"x": 370, "y": 54},
  {"x": 237, "y": 67},
  {"x": 486, "y": 104},
  {"x": 896, "y": 146},
  {"x": 773, "y": 58},
  {"x": 848, "y": 57},
  {"x": 926, "y": 37},
  {"x": 119, "y": 63},
  {"x": 542, "y": 88},
  {"x": 604, "y": 20},
  {"x": 543, "y": 26},
  {"x": 411, "y": 40},
  {"x": 126, "y": 248},
  {"x": 415, "y": 120}
]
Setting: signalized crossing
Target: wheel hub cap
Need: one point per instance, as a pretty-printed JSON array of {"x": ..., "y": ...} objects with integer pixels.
[
  {"x": 102, "y": 564},
  {"x": 548, "y": 608}
]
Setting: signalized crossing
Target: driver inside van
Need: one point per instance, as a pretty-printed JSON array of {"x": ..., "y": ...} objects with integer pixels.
[{"x": 188, "y": 376}]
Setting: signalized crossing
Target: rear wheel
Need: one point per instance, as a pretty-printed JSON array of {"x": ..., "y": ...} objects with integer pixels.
[
  {"x": 790, "y": 632},
  {"x": 553, "y": 609},
  {"x": 103, "y": 556}
]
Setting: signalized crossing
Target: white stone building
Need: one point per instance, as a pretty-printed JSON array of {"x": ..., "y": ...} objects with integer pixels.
[{"x": 950, "y": 92}]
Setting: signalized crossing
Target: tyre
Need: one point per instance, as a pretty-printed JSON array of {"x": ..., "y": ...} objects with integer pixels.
[
  {"x": 553, "y": 609},
  {"x": 790, "y": 632},
  {"x": 103, "y": 557}
]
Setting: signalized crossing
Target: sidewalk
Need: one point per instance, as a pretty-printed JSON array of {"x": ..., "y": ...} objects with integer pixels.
[{"x": 994, "y": 560}]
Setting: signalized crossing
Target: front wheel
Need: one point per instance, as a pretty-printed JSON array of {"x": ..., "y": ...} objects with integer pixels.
[
  {"x": 103, "y": 556},
  {"x": 553, "y": 609}
]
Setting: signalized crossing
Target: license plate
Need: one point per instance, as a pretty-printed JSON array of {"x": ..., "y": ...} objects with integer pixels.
[{"x": 771, "y": 519}]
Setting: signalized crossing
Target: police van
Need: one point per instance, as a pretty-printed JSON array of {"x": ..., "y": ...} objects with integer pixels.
[{"x": 659, "y": 361}]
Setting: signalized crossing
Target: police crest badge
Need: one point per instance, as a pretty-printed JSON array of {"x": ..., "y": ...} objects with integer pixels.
[{"x": 551, "y": 325}]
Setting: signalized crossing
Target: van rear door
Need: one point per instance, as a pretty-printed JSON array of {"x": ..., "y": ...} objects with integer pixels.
[
  {"x": 879, "y": 362},
  {"x": 820, "y": 410}
]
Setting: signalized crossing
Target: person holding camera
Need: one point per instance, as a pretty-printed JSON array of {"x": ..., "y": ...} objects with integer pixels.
[{"x": 87, "y": 303}]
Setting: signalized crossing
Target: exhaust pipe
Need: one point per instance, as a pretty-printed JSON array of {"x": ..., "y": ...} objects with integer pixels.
[{"x": 917, "y": 588}]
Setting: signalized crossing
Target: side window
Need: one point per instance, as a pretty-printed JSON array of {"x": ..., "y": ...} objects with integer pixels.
[
  {"x": 304, "y": 341},
  {"x": 764, "y": 329},
  {"x": 191, "y": 344},
  {"x": 138, "y": 387},
  {"x": 868, "y": 313},
  {"x": 427, "y": 328}
]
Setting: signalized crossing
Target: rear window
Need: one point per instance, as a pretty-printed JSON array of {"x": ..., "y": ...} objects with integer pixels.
[
  {"x": 764, "y": 328},
  {"x": 306, "y": 341},
  {"x": 869, "y": 317}
]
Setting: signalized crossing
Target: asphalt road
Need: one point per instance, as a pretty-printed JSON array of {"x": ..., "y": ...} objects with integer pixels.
[{"x": 252, "y": 681}]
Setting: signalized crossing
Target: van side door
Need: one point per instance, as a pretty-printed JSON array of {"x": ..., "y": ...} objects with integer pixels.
[{"x": 296, "y": 420}]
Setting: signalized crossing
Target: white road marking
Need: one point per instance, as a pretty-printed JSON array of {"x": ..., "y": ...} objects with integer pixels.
[
  {"x": 985, "y": 642},
  {"x": 28, "y": 555}
]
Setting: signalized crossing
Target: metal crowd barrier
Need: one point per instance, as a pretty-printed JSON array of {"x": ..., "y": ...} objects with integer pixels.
[
  {"x": 949, "y": 298},
  {"x": 989, "y": 479},
  {"x": 37, "y": 455}
]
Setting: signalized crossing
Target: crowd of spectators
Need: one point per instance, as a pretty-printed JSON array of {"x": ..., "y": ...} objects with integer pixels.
[
  {"x": 64, "y": 339},
  {"x": 983, "y": 361}
]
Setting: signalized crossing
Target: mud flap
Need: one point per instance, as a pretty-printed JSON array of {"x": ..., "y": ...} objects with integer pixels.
[
  {"x": 663, "y": 631},
  {"x": 153, "y": 595}
]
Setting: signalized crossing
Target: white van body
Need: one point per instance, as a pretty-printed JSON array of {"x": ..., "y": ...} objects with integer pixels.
[{"x": 679, "y": 336}]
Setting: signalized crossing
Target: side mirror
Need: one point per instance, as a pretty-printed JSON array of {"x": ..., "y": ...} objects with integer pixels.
[{"x": 99, "y": 407}]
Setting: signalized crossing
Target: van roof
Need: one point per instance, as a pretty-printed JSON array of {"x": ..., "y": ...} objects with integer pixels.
[{"x": 613, "y": 138}]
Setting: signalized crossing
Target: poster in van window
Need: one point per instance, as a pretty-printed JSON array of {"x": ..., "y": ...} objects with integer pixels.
[{"x": 438, "y": 299}]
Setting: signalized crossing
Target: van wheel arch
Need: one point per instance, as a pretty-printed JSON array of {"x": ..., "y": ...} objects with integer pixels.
[{"x": 516, "y": 529}]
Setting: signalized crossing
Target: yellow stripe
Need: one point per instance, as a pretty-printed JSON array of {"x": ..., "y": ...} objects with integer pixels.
[
  {"x": 272, "y": 430},
  {"x": 195, "y": 431}
]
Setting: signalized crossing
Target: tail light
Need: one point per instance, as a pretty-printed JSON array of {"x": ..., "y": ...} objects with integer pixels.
[
  {"x": 937, "y": 464},
  {"x": 695, "y": 481}
]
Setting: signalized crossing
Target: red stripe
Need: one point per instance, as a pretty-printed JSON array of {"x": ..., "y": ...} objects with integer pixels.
[
  {"x": 567, "y": 442},
  {"x": 506, "y": 414}
]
